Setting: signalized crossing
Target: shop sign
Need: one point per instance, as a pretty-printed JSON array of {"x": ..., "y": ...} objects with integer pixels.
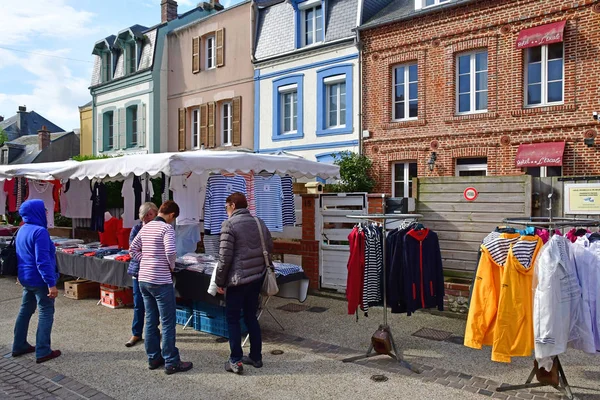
[
  {"x": 582, "y": 198},
  {"x": 541, "y": 35},
  {"x": 470, "y": 194},
  {"x": 540, "y": 155}
]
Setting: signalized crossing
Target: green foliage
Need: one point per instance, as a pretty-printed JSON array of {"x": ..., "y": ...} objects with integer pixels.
[
  {"x": 354, "y": 173},
  {"x": 89, "y": 157},
  {"x": 60, "y": 221},
  {"x": 3, "y": 137}
]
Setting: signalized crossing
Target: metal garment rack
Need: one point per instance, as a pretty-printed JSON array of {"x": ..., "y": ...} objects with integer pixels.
[
  {"x": 383, "y": 218},
  {"x": 549, "y": 223}
]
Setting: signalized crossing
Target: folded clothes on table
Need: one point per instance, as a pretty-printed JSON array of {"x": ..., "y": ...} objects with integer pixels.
[
  {"x": 285, "y": 269},
  {"x": 125, "y": 258}
]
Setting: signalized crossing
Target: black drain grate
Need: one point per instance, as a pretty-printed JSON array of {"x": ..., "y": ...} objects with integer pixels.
[
  {"x": 432, "y": 334},
  {"x": 293, "y": 307},
  {"x": 317, "y": 309}
]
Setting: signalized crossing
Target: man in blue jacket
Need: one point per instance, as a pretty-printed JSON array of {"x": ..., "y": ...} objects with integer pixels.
[{"x": 38, "y": 275}]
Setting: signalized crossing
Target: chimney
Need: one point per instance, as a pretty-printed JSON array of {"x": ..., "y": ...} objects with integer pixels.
[
  {"x": 22, "y": 121},
  {"x": 1, "y": 118},
  {"x": 43, "y": 138},
  {"x": 216, "y": 5},
  {"x": 168, "y": 10}
]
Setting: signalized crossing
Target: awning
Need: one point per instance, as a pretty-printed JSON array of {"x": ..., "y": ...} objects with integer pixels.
[
  {"x": 541, "y": 35},
  {"x": 540, "y": 155}
]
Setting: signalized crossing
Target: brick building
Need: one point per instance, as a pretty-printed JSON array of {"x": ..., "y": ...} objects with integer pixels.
[{"x": 468, "y": 87}]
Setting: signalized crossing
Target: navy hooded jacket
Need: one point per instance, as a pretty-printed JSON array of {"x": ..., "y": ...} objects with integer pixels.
[{"x": 35, "y": 251}]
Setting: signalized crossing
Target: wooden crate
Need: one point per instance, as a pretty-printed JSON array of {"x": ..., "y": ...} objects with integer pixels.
[{"x": 81, "y": 289}]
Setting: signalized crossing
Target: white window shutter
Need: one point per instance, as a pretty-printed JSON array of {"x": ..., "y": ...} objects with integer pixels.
[
  {"x": 122, "y": 143},
  {"x": 418, "y": 4},
  {"x": 100, "y": 134},
  {"x": 142, "y": 127}
]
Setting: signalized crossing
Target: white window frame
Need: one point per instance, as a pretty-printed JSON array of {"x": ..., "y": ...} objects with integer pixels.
[
  {"x": 134, "y": 131},
  {"x": 196, "y": 128},
  {"x": 406, "y": 92},
  {"x": 4, "y": 156},
  {"x": 406, "y": 180},
  {"x": 312, "y": 6},
  {"x": 130, "y": 47},
  {"x": 110, "y": 137},
  {"x": 106, "y": 67},
  {"x": 473, "y": 82},
  {"x": 211, "y": 52},
  {"x": 283, "y": 90},
  {"x": 419, "y": 4},
  {"x": 226, "y": 123},
  {"x": 544, "y": 78},
  {"x": 329, "y": 82},
  {"x": 469, "y": 167}
]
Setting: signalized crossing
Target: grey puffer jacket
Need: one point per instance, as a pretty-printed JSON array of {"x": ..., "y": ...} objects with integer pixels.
[{"x": 241, "y": 258}]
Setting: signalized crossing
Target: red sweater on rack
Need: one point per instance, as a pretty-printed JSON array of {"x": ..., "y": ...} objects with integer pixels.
[{"x": 356, "y": 270}]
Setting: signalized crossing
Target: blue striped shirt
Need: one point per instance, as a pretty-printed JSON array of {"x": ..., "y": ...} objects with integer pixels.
[
  {"x": 268, "y": 195},
  {"x": 219, "y": 188}
]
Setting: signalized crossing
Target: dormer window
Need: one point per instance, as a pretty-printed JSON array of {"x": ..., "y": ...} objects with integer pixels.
[
  {"x": 130, "y": 58},
  {"x": 419, "y": 4},
  {"x": 106, "y": 67},
  {"x": 311, "y": 23}
]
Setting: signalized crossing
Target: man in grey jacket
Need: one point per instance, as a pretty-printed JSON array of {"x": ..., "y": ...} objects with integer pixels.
[{"x": 240, "y": 273}]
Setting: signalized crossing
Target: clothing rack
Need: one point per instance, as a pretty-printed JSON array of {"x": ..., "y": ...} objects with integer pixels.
[
  {"x": 383, "y": 218},
  {"x": 551, "y": 224}
]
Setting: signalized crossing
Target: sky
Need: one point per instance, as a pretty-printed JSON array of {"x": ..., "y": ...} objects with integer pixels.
[{"x": 46, "y": 50}]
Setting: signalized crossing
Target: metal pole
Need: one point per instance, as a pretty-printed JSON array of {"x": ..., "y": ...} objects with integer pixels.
[{"x": 384, "y": 263}]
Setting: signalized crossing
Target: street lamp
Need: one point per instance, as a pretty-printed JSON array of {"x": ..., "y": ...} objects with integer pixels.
[{"x": 432, "y": 160}]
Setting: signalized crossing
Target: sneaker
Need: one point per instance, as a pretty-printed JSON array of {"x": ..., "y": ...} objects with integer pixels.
[
  {"x": 154, "y": 364},
  {"x": 30, "y": 349},
  {"x": 53, "y": 354},
  {"x": 181, "y": 367},
  {"x": 236, "y": 368},
  {"x": 248, "y": 361}
]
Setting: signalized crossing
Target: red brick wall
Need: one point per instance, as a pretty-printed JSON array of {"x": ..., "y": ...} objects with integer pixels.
[{"x": 434, "y": 40}]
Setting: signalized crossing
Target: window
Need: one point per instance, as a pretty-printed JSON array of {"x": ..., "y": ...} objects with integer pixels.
[
  {"x": 130, "y": 58},
  {"x": 544, "y": 74},
  {"x": 108, "y": 130},
  {"x": 196, "y": 128},
  {"x": 429, "y": 3},
  {"x": 4, "y": 156},
  {"x": 289, "y": 107},
  {"x": 312, "y": 25},
  {"x": 287, "y": 115},
  {"x": 226, "y": 127},
  {"x": 544, "y": 172},
  {"x": 210, "y": 52},
  {"x": 405, "y": 92},
  {"x": 402, "y": 176},
  {"x": 132, "y": 125},
  {"x": 106, "y": 67},
  {"x": 472, "y": 82},
  {"x": 471, "y": 166},
  {"x": 336, "y": 102}
]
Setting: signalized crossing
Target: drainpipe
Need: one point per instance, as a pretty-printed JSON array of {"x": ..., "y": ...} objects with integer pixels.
[{"x": 359, "y": 46}]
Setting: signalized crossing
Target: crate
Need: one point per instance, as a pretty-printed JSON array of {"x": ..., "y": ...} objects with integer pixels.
[
  {"x": 183, "y": 314},
  {"x": 81, "y": 289},
  {"x": 107, "y": 286},
  {"x": 215, "y": 325},
  {"x": 210, "y": 309},
  {"x": 116, "y": 298}
]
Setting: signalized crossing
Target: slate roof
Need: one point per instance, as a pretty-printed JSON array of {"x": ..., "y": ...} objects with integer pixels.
[
  {"x": 30, "y": 146},
  {"x": 399, "y": 10},
  {"x": 276, "y": 25},
  {"x": 32, "y": 122}
]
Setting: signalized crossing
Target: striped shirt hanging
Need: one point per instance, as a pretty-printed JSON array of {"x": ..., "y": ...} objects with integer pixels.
[
  {"x": 219, "y": 188},
  {"x": 289, "y": 209},
  {"x": 268, "y": 194}
]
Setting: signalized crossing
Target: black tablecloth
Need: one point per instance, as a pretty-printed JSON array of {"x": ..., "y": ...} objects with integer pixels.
[{"x": 110, "y": 272}]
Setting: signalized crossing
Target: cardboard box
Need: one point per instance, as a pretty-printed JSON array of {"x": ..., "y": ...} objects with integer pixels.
[
  {"x": 116, "y": 298},
  {"x": 81, "y": 289}
]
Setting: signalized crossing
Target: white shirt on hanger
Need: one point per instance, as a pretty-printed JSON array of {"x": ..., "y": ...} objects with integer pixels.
[
  {"x": 40, "y": 190},
  {"x": 189, "y": 192},
  {"x": 130, "y": 214},
  {"x": 76, "y": 202}
]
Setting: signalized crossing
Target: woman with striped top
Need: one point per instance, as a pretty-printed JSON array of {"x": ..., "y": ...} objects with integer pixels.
[{"x": 154, "y": 248}]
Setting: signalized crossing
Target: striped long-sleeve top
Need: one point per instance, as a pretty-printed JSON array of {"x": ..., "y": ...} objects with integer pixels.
[{"x": 154, "y": 247}]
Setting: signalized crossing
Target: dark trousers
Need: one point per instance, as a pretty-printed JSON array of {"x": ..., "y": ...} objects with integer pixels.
[
  {"x": 238, "y": 298},
  {"x": 137, "y": 326}
]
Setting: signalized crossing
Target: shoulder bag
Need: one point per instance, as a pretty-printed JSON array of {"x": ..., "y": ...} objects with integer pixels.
[
  {"x": 8, "y": 259},
  {"x": 269, "y": 286}
]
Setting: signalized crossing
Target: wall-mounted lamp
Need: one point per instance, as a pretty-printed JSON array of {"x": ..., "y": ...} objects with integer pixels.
[
  {"x": 432, "y": 160},
  {"x": 589, "y": 142}
]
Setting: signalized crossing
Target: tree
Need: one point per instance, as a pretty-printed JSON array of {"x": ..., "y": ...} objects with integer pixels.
[
  {"x": 3, "y": 137},
  {"x": 354, "y": 173}
]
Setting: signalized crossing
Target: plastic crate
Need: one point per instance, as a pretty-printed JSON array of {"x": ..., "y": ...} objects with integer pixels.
[
  {"x": 182, "y": 315},
  {"x": 209, "y": 309},
  {"x": 214, "y": 325}
]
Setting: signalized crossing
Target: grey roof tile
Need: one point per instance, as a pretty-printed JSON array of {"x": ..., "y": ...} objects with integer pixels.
[
  {"x": 148, "y": 51},
  {"x": 32, "y": 123},
  {"x": 372, "y": 7},
  {"x": 340, "y": 19}
]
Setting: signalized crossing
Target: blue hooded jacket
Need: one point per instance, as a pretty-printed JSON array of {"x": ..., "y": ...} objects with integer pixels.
[{"x": 35, "y": 251}]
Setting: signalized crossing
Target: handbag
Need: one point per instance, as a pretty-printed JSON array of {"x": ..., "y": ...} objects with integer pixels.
[
  {"x": 8, "y": 259},
  {"x": 269, "y": 286}
]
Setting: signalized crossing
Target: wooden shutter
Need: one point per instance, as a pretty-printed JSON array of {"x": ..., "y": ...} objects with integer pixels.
[
  {"x": 122, "y": 135},
  {"x": 181, "y": 136},
  {"x": 196, "y": 55},
  {"x": 100, "y": 133},
  {"x": 204, "y": 125},
  {"x": 220, "y": 39},
  {"x": 236, "y": 121},
  {"x": 212, "y": 134},
  {"x": 142, "y": 126}
]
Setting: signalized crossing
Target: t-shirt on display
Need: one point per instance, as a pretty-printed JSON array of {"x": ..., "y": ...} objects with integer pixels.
[
  {"x": 75, "y": 199},
  {"x": 39, "y": 190},
  {"x": 189, "y": 192},
  {"x": 133, "y": 197},
  {"x": 269, "y": 201}
]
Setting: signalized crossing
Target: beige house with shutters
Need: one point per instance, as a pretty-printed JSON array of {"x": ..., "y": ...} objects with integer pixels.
[{"x": 210, "y": 85}]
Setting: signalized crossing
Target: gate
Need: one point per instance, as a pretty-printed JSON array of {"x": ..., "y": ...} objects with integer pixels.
[{"x": 333, "y": 229}]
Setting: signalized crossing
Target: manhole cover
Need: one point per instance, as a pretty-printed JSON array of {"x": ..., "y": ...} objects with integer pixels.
[
  {"x": 277, "y": 352},
  {"x": 317, "y": 309},
  {"x": 456, "y": 339},
  {"x": 221, "y": 340},
  {"x": 379, "y": 378},
  {"x": 432, "y": 334},
  {"x": 293, "y": 307}
]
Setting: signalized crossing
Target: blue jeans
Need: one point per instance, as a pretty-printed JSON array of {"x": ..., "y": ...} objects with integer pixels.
[
  {"x": 238, "y": 298},
  {"x": 137, "y": 327},
  {"x": 35, "y": 297},
  {"x": 159, "y": 301}
]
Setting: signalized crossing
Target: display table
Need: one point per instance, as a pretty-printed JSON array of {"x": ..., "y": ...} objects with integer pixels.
[{"x": 109, "y": 272}]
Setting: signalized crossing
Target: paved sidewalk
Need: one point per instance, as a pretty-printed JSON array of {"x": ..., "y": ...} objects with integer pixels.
[{"x": 22, "y": 378}]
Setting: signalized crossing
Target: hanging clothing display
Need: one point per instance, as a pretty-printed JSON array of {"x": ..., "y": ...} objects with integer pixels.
[
  {"x": 98, "y": 206},
  {"x": 218, "y": 189},
  {"x": 211, "y": 245},
  {"x": 133, "y": 191},
  {"x": 396, "y": 267},
  {"x": 289, "y": 208},
  {"x": 373, "y": 274},
  {"x": 356, "y": 268},
  {"x": 189, "y": 193},
  {"x": 20, "y": 191},
  {"x": 269, "y": 200},
  {"x": 11, "y": 195},
  {"x": 249, "y": 178},
  {"x": 164, "y": 187},
  {"x": 75, "y": 199},
  {"x": 187, "y": 238},
  {"x": 3, "y": 198},
  {"x": 40, "y": 190}
]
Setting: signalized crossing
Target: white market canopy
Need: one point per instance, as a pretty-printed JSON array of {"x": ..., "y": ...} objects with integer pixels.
[{"x": 173, "y": 164}]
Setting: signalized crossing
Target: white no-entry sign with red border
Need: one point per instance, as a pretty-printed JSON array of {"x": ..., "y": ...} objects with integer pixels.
[{"x": 470, "y": 193}]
